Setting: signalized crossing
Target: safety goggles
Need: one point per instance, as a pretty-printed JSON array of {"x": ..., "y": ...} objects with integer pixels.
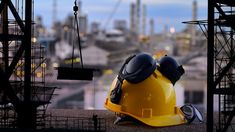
[{"x": 191, "y": 113}]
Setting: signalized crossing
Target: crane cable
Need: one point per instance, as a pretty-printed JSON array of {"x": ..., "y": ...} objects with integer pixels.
[
  {"x": 75, "y": 9},
  {"x": 112, "y": 13}
]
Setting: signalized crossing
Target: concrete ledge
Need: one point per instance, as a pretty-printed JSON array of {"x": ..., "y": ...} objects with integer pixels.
[{"x": 128, "y": 127}]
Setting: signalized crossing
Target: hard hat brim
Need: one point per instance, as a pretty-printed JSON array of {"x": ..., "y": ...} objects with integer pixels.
[
  {"x": 164, "y": 120},
  {"x": 156, "y": 121}
]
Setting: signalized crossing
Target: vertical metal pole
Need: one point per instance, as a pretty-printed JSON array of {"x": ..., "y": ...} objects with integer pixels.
[
  {"x": 5, "y": 48},
  {"x": 28, "y": 113},
  {"x": 5, "y": 32},
  {"x": 210, "y": 66},
  {"x": 27, "y": 41}
]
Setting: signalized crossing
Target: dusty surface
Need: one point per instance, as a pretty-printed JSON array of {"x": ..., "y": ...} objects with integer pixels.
[{"x": 130, "y": 127}]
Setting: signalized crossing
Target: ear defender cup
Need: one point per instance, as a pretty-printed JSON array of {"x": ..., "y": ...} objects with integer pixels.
[
  {"x": 135, "y": 69},
  {"x": 139, "y": 68},
  {"x": 170, "y": 69}
]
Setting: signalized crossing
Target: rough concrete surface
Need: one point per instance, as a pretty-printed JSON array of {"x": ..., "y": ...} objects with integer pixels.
[{"x": 128, "y": 127}]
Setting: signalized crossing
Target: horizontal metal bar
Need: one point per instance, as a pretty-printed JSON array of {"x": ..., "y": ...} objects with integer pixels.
[
  {"x": 10, "y": 37},
  {"x": 225, "y": 16},
  {"x": 225, "y": 91},
  {"x": 226, "y": 2}
]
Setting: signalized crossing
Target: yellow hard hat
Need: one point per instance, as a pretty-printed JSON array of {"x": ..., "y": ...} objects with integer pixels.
[{"x": 151, "y": 99}]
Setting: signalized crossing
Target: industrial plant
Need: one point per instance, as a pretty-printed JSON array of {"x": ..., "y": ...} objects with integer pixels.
[{"x": 57, "y": 78}]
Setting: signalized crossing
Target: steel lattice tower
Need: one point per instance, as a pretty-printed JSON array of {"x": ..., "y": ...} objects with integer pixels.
[
  {"x": 221, "y": 58},
  {"x": 24, "y": 96},
  {"x": 219, "y": 30}
]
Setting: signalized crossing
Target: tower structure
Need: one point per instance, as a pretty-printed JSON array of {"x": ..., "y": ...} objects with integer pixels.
[
  {"x": 138, "y": 16},
  {"x": 144, "y": 20},
  {"x": 132, "y": 17},
  {"x": 221, "y": 60},
  {"x": 192, "y": 27},
  {"x": 79, "y": 7},
  {"x": 194, "y": 10},
  {"x": 219, "y": 29},
  {"x": 54, "y": 13},
  {"x": 151, "y": 27},
  {"x": 83, "y": 23}
]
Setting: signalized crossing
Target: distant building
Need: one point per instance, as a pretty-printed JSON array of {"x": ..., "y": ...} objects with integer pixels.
[
  {"x": 49, "y": 43},
  {"x": 107, "y": 54},
  {"x": 68, "y": 31},
  {"x": 95, "y": 27},
  {"x": 120, "y": 25},
  {"x": 161, "y": 48},
  {"x": 194, "y": 82},
  {"x": 83, "y": 24},
  {"x": 182, "y": 44},
  {"x": 82, "y": 18},
  {"x": 39, "y": 27},
  {"x": 115, "y": 36},
  {"x": 58, "y": 30}
]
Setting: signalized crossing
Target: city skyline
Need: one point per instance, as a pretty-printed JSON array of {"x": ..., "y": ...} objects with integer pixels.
[{"x": 164, "y": 13}]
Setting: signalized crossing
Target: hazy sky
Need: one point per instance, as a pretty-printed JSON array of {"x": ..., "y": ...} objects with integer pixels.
[{"x": 164, "y": 12}]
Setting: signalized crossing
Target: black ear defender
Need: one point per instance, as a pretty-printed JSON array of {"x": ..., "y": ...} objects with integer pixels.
[
  {"x": 116, "y": 93},
  {"x": 170, "y": 69},
  {"x": 135, "y": 69}
]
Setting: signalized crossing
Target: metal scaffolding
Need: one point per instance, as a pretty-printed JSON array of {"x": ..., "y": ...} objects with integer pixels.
[
  {"x": 219, "y": 30},
  {"x": 24, "y": 96},
  {"x": 23, "y": 93},
  {"x": 221, "y": 58}
]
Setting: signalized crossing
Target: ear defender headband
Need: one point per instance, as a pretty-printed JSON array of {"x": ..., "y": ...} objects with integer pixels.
[
  {"x": 116, "y": 93},
  {"x": 135, "y": 69}
]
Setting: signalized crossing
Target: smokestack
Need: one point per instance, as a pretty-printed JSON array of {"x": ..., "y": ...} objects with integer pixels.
[
  {"x": 79, "y": 7},
  {"x": 194, "y": 12},
  {"x": 138, "y": 17},
  {"x": 132, "y": 17},
  {"x": 144, "y": 20},
  {"x": 194, "y": 18},
  {"x": 54, "y": 14},
  {"x": 151, "y": 28}
]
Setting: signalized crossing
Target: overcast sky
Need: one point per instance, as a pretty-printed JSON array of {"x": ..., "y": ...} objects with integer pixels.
[{"x": 164, "y": 12}]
